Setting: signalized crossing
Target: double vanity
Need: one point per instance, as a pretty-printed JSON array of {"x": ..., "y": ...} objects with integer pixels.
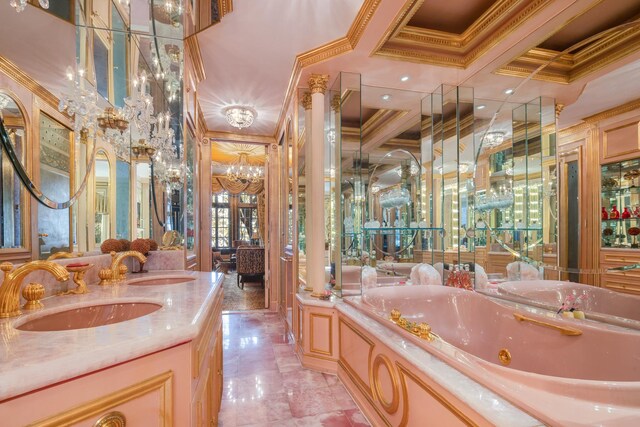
[{"x": 147, "y": 351}]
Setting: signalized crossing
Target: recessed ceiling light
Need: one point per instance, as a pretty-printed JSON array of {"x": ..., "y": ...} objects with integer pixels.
[
  {"x": 508, "y": 91},
  {"x": 404, "y": 78},
  {"x": 481, "y": 107},
  {"x": 386, "y": 97}
]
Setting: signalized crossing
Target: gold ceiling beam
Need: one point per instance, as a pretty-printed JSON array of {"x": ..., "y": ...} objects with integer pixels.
[{"x": 245, "y": 139}]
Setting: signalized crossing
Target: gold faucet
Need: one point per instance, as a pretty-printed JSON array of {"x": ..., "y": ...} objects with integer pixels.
[
  {"x": 10, "y": 288},
  {"x": 117, "y": 272}
]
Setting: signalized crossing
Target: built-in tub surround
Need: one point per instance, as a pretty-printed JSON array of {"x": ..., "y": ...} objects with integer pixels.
[
  {"x": 32, "y": 360},
  {"x": 597, "y": 303},
  {"x": 560, "y": 379}
]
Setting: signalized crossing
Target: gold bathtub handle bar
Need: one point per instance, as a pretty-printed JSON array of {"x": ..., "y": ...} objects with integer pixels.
[{"x": 564, "y": 330}]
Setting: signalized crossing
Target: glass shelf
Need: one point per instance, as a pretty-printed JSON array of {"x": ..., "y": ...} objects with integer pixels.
[
  {"x": 518, "y": 228},
  {"x": 618, "y": 191},
  {"x": 391, "y": 230},
  {"x": 620, "y": 221}
]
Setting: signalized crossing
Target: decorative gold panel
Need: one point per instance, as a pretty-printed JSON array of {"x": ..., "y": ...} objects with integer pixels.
[
  {"x": 313, "y": 318},
  {"x": 343, "y": 358},
  {"x": 390, "y": 406},
  {"x": 161, "y": 383},
  {"x": 621, "y": 140}
]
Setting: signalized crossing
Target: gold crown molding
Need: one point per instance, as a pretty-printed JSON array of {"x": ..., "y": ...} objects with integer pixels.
[
  {"x": 225, "y": 6},
  {"x": 15, "y": 73},
  {"x": 327, "y": 51},
  {"x": 202, "y": 124},
  {"x": 612, "y": 112},
  {"x": 401, "y": 20},
  {"x": 379, "y": 124},
  {"x": 571, "y": 67},
  {"x": 449, "y": 49},
  {"x": 245, "y": 139},
  {"x": 193, "y": 47}
]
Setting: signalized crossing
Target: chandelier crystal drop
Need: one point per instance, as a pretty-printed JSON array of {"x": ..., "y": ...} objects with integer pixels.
[
  {"x": 242, "y": 171},
  {"x": 20, "y": 5},
  {"x": 81, "y": 103},
  {"x": 493, "y": 139},
  {"x": 240, "y": 117}
]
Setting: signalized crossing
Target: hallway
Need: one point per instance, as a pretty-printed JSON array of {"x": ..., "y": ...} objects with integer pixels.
[{"x": 265, "y": 384}]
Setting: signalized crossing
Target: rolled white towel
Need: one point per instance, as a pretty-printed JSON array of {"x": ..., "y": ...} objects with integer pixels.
[
  {"x": 369, "y": 277},
  {"x": 481, "y": 278},
  {"x": 519, "y": 270},
  {"x": 425, "y": 274},
  {"x": 439, "y": 268}
]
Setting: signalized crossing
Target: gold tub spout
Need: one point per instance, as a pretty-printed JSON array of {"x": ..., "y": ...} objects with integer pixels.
[
  {"x": 117, "y": 272},
  {"x": 564, "y": 330},
  {"x": 63, "y": 254},
  {"x": 12, "y": 282}
]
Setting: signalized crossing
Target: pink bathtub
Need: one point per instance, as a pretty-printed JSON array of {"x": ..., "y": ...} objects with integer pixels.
[
  {"x": 351, "y": 280},
  {"x": 600, "y": 304},
  {"x": 591, "y": 378}
]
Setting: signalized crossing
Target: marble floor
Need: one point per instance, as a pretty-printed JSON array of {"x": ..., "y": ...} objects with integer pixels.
[{"x": 265, "y": 384}]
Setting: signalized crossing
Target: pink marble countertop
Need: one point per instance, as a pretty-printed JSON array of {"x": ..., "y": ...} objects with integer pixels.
[{"x": 31, "y": 360}]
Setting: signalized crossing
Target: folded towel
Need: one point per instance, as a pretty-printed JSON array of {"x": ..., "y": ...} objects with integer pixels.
[
  {"x": 369, "y": 277},
  {"x": 425, "y": 274},
  {"x": 520, "y": 270},
  {"x": 481, "y": 278}
]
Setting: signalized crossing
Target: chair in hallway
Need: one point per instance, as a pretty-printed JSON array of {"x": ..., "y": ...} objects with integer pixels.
[{"x": 249, "y": 264}]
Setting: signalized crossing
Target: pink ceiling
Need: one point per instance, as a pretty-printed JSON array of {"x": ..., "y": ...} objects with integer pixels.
[
  {"x": 45, "y": 52},
  {"x": 249, "y": 56}
]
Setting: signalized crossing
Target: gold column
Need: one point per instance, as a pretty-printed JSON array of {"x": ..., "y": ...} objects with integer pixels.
[{"x": 315, "y": 178}]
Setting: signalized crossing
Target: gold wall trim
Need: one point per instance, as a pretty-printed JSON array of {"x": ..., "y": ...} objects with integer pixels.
[
  {"x": 612, "y": 112},
  {"x": 390, "y": 406},
  {"x": 236, "y": 137},
  {"x": 423, "y": 45},
  {"x": 226, "y": 6},
  {"x": 354, "y": 379},
  {"x": 15, "y": 73},
  {"x": 193, "y": 47},
  {"x": 406, "y": 373},
  {"x": 312, "y": 347},
  {"x": 366, "y": 389},
  {"x": 161, "y": 382},
  {"x": 327, "y": 51}
]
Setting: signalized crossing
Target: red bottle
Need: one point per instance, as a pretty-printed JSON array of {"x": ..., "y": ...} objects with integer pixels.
[
  {"x": 615, "y": 214},
  {"x": 604, "y": 214},
  {"x": 626, "y": 214}
]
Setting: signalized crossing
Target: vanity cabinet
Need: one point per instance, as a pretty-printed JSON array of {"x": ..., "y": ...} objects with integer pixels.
[{"x": 177, "y": 386}]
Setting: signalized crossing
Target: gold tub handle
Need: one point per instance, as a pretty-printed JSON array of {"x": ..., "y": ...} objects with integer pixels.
[{"x": 564, "y": 330}]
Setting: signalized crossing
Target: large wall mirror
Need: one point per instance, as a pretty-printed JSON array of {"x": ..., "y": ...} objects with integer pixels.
[
  {"x": 13, "y": 221},
  {"x": 102, "y": 199},
  {"x": 57, "y": 181}
]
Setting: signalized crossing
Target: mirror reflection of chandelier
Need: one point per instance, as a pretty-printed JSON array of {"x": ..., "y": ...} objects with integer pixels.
[
  {"x": 239, "y": 117},
  {"x": 242, "y": 171},
  {"x": 19, "y": 5},
  {"x": 493, "y": 139}
]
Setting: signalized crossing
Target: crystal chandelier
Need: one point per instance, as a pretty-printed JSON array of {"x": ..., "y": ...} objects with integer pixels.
[
  {"x": 154, "y": 134},
  {"x": 171, "y": 174},
  {"x": 115, "y": 130},
  {"x": 239, "y": 117},
  {"x": 493, "y": 139},
  {"x": 80, "y": 103},
  {"x": 242, "y": 171},
  {"x": 19, "y": 5}
]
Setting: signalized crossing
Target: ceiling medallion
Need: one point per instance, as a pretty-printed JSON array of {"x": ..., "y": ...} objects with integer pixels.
[
  {"x": 493, "y": 139},
  {"x": 242, "y": 171},
  {"x": 240, "y": 117}
]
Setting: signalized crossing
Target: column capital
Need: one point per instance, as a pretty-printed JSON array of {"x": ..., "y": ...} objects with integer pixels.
[
  {"x": 336, "y": 102},
  {"x": 559, "y": 108},
  {"x": 306, "y": 100},
  {"x": 318, "y": 83}
]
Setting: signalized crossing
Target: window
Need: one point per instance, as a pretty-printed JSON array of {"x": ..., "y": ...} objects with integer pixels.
[
  {"x": 247, "y": 216},
  {"x": 221, "y": 225}
]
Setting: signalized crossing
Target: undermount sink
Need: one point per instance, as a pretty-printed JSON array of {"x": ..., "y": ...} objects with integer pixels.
[
  {"x": 161, "y": 280},
  {"x": 89, "y": 317}
]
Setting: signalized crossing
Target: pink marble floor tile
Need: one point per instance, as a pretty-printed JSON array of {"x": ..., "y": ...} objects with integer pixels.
[
  {"x": 251, "y": 412},
  {"x": 257, "y": 367},
  {"x": 227, "y": 416},
  {"x": 304, "y": 379},
  {"x": 331, "y": 379},
  {"x": 291, "y": 422},
  {"x": 260, "y": 385},
  {"x": 343, "y": 398},
  {"x": 356, "y": 418},
  {"x": 307, "y": 402},
  {"x": 288, "y": 363},
  {"x": 283, "y": 350},
  {"x": 331, "y": 419}
]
